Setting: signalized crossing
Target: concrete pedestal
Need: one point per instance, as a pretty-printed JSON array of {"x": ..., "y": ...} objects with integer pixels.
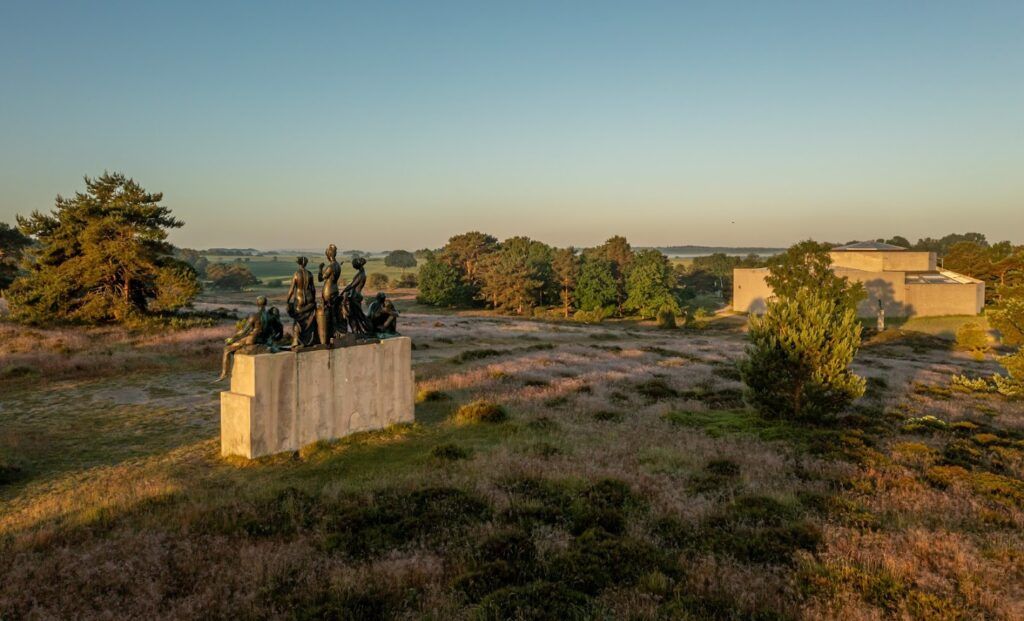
[{"x": 284, "y": 401}]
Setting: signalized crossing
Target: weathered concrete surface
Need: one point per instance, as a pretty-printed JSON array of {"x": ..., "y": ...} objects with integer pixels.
[{"x": 284, "y": 401}]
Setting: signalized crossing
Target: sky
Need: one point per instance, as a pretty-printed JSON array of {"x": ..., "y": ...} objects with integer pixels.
[{"x": 381, "y": 125}]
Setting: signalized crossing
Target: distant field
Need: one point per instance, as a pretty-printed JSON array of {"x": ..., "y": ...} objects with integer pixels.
[{"x": 272, "y": 267}]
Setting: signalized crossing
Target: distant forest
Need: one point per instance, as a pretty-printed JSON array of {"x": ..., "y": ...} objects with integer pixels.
[{"x": 706, "y": 250}]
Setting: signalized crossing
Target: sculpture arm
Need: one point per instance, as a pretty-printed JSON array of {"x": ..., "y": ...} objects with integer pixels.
[{"x": 241, "y": 334}]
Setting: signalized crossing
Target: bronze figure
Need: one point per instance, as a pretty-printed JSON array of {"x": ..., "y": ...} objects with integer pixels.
[
  {"x": 383, "y": 316},
  {"x": 329, "y": 274},
  {"x": 352, "y": 295},
  {"x": 302, "y": 307},
  {"x": 259, "y": 329}
]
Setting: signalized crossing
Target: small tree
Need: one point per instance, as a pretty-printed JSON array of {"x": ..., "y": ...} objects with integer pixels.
[
  {"x": 232, "y": 276},
  {"x": 401, "y": 259},
  {"x": 650, "y": 285},
  {"x": 378, "y": 281},
  {"x": 596, "y": 289},
  {"x": 101, "y": 256},
  {"x": 1009, "y": 320},
  {"x": 972, "y": 337},
  {"x": 798, "y": 359},
  {"x": 440, "y": 284}
]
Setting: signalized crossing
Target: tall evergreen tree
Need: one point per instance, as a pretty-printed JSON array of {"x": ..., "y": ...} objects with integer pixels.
[
  {"x": 466, "y": 252},
  {"x": 620, "y": 254},
  {"x": 566, "y": 267},
  {"x": 517, "y": 276},
  {"x": 440, "y": 284},
  {"x": 102, "y": 256}
]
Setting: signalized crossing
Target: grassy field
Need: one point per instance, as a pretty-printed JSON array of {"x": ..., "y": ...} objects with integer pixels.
[{"x": 628, "y": 481}]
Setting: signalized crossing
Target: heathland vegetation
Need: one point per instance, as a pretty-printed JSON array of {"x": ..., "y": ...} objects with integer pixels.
[{"x": 793, "y": 466}]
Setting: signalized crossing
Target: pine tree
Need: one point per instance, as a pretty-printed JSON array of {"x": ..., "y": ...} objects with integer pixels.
[
  {"x": 566, "y": 267},
  {"x": 650, "y": 285},
  {"x": 102, "y": 256},
  {"x": 517, "y": 276},
  {"x": 466, "y": 253},
  {"x": 12, "y": 244},
  {"x": 798, "y": 359},
  {"x": 617, "y": 251}
]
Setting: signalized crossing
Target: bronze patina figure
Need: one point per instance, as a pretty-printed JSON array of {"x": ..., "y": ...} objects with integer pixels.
[
  {"x": 260, "y": 329},
  {"x": 302, "y": 307},
  {"x": 383, "y": 315},
  {"x": 329, "y": 274},
  {"x": 353, "y": 297}
]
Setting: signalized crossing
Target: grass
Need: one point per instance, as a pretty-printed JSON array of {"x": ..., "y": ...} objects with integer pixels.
[{"x": 614, "y": 486}]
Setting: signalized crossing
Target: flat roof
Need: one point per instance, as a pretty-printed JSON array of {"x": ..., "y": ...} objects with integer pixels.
[{"x": 869, "y": 245}]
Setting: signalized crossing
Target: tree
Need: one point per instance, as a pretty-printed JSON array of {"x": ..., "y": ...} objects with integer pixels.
[
  {"x": 650, "y": 285},
  {"x": 196, "y": 259},
  {"x": 617, "y": 251},
  {"x": 798, "y": 359},
  {"x": 566, "y": 267},
  {"x": 400, "y": 258},
  {"x": 800, "y": 351},
  {"x": 899, "y": 240},
  {"x": 12, "y": 244},
  {"x": 596, "y": 289},
  {"x": 1008, "y": 318},
  {"x": 378, "y": 281},
  {"x": 233, "y": 276},
  {"x": 102, "y": 256},
  {"x": 516, "y": 276},
  {"x": 807, "y": 265},
  {"x": 969, "y": 258},
  {"x": 440, "y": 284},
  {"x": 465, "y": 253}
]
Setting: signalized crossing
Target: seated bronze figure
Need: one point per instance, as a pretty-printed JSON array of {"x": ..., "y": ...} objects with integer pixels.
[
  {"x": 352, "y": 295},
  {"x": 383, "y": 316},
  {"x": 261, "y": 329}
]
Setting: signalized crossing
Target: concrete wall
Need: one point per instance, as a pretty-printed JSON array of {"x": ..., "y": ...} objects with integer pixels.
[
  {"x": 749, "y": 290},
  {"x": 881, "y": 260},
  {"x": 284, "y": 401},
  {"x": 886, "y": 287},
  {"x": 946, "y": 299}
]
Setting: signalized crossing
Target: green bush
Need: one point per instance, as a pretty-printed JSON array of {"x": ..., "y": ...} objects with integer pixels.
[
  {"x": 536, "y": 601},
  {"x": 973, "y": 338},
  {"x": 481, "y": 412},
  {"x": 798, "y": 360},
  {"x": 449, "y": 452},
  {"x": 377, "y": 280},
  {"x": 666, "y": 318}
]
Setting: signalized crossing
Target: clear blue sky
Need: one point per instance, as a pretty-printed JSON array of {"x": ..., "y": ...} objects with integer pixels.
[{"x": 384, "y": 124}]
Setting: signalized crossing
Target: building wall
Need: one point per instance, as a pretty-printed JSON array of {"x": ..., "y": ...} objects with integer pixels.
[
  {"x": 751, "y": 292},
  {"x": 909, "y": 261},
  {"x": 946, "y": 299},
  {"x": 889, "y": 288},
  {"x": 881, "y": 260}
]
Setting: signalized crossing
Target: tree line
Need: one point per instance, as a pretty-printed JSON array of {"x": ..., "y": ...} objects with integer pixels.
[{"x": 521, "y": 274}]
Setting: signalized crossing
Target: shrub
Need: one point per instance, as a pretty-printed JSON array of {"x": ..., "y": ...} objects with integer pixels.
[
  {"x": 377, "y": 280},
  {"x": 666, "y": 318},
  {"x": 1012, "y": 384},
  {"x": 596, "y": 315},
  {"x": 967, "y": 384},
  {"x": 449, "y": 452},
  {"x": 481, "y": 412},
  {"x": 973, "y": 338},
  {"x": 535, "y": 601},
  {"x": 407, "y": 281},
  {"x": 425, "y": 396},
  {"x": 798, "y": 360}
]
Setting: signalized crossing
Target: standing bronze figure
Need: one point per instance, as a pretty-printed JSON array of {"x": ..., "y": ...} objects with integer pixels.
[
  {"x": 383, "y": 315},
  {"x": 353, "y": 299},
  {"x": 329, "y": 274},
  {"x": 302, "y": 307},
  {"x": 260, "y": 328}
]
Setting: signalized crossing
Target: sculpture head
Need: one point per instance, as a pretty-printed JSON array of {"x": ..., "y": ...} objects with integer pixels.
[
  {"x": 302, "y": 261},
  {"x": 261, "y": 302},
  {"x": 358, "y": 262},
  {"x": 331, "y": 252},
  {"x": 381, "y": 296}
]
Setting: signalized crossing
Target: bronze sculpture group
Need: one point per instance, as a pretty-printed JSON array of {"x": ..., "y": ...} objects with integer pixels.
[{"x": 339, "y": 318}]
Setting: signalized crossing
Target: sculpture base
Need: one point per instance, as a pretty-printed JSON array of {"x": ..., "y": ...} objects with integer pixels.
[{"x": 284, "y": 401}]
